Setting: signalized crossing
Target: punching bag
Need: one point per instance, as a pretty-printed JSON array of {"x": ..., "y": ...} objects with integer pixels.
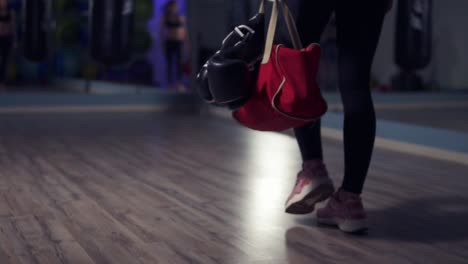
[
  {"x": 111, "y": 30},
  {"x": 413, "y": 34},
  {"x": 36, "y": 18}
]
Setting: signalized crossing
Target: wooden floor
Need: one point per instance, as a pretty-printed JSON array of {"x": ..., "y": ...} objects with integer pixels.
[{"x": 139, "y": 188}]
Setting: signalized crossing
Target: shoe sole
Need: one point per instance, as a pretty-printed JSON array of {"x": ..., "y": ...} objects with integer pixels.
[
  {"x": 307, "y": 204},
  {"x": 345, "y": 225}
]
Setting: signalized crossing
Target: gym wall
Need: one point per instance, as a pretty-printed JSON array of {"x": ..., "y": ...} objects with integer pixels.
[
  {"x": 69, "y": 53},
  {"x": 449, "y": 65}
]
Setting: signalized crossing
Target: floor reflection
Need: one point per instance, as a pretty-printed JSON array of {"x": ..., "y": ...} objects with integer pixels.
[{"x": 273, "y": 161}]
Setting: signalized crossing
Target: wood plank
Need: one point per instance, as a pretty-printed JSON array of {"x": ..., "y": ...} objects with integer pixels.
[
  {"x": 137, "y": 188},
  {"x": 13, "y": 244}
]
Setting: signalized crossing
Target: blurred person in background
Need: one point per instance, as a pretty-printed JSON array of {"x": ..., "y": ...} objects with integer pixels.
[
  {"x": 174, "y": 40},
  {"x": 7, "y": 39},
  {"x": 358, "y": 25}
]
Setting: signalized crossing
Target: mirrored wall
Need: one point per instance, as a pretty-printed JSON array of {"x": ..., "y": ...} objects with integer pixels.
[{"x": 83, "y": 46}]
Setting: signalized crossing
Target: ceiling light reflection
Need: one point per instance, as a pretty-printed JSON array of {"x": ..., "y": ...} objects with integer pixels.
[{"x": 273, "y": 160}]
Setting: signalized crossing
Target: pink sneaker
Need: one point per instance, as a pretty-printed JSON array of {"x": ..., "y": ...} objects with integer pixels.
[
  {"x": 312, "y": 186},
  {"x": 345, "y": 210}
]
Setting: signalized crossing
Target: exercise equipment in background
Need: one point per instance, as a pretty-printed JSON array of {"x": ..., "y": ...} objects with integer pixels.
[
  {"x": 90, "y": 71},
  {"x": 69, "y": 31},
  {"x": 29, "y": 71},
  {"x": 12, "y": 73},
  {"x": 68, "y": 63},
  {"x": 15, "y": 5},
  {"x": 84, "y": 36},
  {"x": 141, "y": 72},
  {"x": 111, "y": 31},
  {"x": 37, "y": 27},
  {"x": 117, "y": 73},
  {"x": 144, "y": 10},
  {"x": 82, "y": 5},
  {"x": 142, "y": 42},
  {"x": 413, "y": 42},
  {"x": 61, "y": 6}
]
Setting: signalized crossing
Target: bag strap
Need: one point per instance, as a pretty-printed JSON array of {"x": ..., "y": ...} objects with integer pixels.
[
  {"x": 270, "y": 33},
  {"x": 290, "y": 23}
]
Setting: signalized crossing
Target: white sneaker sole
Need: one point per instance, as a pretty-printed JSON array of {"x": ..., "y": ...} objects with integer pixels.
[
  {"x": 345, "y": 225},
  {"x": 305, "y": 203}
]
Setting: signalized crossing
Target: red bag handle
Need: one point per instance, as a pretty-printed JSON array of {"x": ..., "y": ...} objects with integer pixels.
[
  {"x": 297, "y": 44},
  {"x": 290, "y": 23}
]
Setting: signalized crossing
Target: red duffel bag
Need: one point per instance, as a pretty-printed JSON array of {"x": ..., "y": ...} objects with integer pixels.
[{"x": 286, "y": 94}]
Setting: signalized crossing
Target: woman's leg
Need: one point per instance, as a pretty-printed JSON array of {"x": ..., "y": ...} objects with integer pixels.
[
  {"x": 358, "y": 29},
  {"x": 359, "y": 25},
  {"x": 169, "y": 52},
  {"x": 313, "y": 16},
  {"x": 313, "y": 184},
  {"x": 178, "y": 47},
  {"x": 309, "y": 139}
]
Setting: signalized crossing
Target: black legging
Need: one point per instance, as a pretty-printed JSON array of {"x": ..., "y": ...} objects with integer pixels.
[
  {"x": 359, "y": 25},
  {"x": 174, "y": 58},
  {"x": 5, "y": 46}
]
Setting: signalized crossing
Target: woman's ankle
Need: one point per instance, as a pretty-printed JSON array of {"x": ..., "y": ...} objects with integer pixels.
[
  {"x": 350, "y": 191},
  {"x": 313, "y": 164}
]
